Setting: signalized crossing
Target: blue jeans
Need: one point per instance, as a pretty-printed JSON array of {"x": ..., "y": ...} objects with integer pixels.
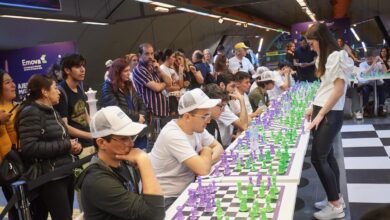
[{"x": 366, "y": 90}]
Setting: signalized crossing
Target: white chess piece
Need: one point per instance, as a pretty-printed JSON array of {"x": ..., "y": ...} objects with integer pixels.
[{"x": 91, "y": 101}]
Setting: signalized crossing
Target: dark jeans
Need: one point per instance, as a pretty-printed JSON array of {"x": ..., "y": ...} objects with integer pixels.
[
  {"x": 366, "y": 90},
  {"x": 55, "y": 197},
  {"x": 322, "y": 154},
  {"x": 156, "y": 123}
]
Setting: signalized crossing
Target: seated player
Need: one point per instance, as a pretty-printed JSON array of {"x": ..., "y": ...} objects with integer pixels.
[
  {"x": 184, "y": 149},
  {"x": 243, "y": 85},
  {"x": 259, "y": 96},
  {"x": 111, "y": 185},
  {"x": 283, "y": 80},
  {"x": 228, "y": 121},
  {"x": 216, "y": 92}
]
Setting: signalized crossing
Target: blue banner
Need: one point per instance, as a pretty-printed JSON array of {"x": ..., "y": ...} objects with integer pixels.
[{"x": 22, "y": 63}]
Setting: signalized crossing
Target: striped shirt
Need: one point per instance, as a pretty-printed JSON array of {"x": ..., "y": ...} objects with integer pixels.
[{"x": 155, "y": 102}]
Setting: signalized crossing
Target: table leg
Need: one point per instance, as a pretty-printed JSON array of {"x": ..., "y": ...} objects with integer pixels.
[{"x": 375, "y": 100}]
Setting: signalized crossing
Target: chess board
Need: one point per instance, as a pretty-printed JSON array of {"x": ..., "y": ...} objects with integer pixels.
[
  {"x": 292, "y": 172},
  {"x": 282, "y": 206}
]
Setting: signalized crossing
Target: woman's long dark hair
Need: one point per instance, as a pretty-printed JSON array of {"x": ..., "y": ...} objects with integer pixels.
[
  {"x": 114, "y": 74},
  {"x": 36, "y": 83},
  {"x": 327, "y": 43}
]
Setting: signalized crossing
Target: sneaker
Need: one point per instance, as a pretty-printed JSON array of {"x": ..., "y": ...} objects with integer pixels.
[
  {"x": 330, "y": 212},
  {"x": 382, "y": 111},
  {"x": 358, "y": 115},
  {"x": 322, "y": 204}
]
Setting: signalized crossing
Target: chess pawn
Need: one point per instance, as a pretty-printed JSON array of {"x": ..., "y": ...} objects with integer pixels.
[{"x": 243, "y": 204}]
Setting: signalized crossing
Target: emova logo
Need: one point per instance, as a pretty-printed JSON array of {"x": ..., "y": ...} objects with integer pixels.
[{"x": 36, "y": 64}]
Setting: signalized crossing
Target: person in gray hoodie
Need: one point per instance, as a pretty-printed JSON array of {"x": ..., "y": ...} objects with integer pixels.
[{"x": 120, "y": 182}]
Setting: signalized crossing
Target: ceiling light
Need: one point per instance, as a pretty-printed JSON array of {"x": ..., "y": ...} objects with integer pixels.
[
  {"x": 59, "y": 20},
  {"x": 198, "y": 12},
  {"x": 161, "y": 9},
  {"x": 260, "y": 44},
  {"x": 364, "y": 46},
  {"x": 220, "y": 20},
  {"x": 355, "y": 34},
  {"x": 21, "y": 17},
  {"x": 245, "y": 25},
  {"x": 162, "y": 4},
  {"x": 95, "y": 23},
  {"x": 144, "y": 1}
]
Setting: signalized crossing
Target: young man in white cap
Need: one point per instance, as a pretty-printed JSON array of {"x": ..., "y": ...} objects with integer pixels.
[
  {"x": 283, "y": 80},
  {"x": 111, "y": 185},
  {"x": 239, "y": 62},
  {"x": 184, "y": 149},
  {"x": 259, "y": 97}
]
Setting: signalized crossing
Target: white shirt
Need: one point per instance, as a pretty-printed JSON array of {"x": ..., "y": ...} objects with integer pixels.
[
  {"x": 170, "y": 150},
  {"x": 237, "y": 106},
  {"x": 245, "y": 66},
  {"x": 225, "y": 125},
  {"x": 274, "y": 93},
  {"x": 171, "y": 73},
  {"x": 338, "y": 65},
  {"x": 253, "y": 86}
]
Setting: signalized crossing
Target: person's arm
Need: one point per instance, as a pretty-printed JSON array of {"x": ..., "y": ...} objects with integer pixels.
[
  {"x": 197, "y": 74},
  {"x": 287, "y": 82},
  {"x": 140, "y": 159},
  {"x": 165, "y": 77},
  {"x": 337, "y": 92},
  {"x": 108, "y": 194},
  {"x": 242, "y": 124},
  {"x": 74, "y": 132},
  {"x": 296, "y": 63},
  {"x": 30, "y": 137},
  {"x": 217, "y": 151},
  {"x": 200, "y": 164}
]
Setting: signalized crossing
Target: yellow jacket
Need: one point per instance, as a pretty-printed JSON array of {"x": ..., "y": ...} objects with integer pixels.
[{"x": 7, "y": 131}]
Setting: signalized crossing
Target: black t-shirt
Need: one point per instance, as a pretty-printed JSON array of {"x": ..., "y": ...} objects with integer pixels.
[
  {"x": 213, "y": 129},
  {"x": 128, "y": 176},
  {"x": 73, "y": 106},
  {"x": 305, "y": 56},
  {"x": 189, "y": 76}
]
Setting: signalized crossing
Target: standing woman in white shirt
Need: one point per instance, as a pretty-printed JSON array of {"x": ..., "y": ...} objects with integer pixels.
[{"x": 326, "y": 115}]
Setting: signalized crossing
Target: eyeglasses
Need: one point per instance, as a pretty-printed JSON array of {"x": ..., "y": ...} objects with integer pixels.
[
  {"x": 241, "y": 65},
  {"x": 126, "y": 140},
  {"x": 204, "y": 117},
  {"x": 222, "y": 106}
]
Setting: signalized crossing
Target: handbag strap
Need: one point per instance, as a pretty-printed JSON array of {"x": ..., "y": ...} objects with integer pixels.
[{"x": 9, "y": 205}]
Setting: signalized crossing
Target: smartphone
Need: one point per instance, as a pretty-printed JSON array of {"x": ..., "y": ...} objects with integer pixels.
[{"x": 13, "y": 108}]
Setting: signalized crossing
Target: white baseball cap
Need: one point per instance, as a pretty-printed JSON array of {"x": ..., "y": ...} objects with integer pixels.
[
  {"x": 259, "y": 71},
  {"x": 267, "y": 76},
  {"x": 112, "y": 120},
  {"x": 195, "y": 99}
]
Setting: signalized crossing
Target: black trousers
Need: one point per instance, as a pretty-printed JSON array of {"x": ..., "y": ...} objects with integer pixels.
[
  {"x": 322, "y": 154},
  {"x": 56, "y": 198}
]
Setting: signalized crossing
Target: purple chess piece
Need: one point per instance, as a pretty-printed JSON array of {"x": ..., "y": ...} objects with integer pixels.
[
  {"x": 179, "y": 214},
  {"x": 250, "y": 180},
  {"x": 214, "y": 186},
  {"x": 268, "y": 182},
  {"x": 199, "y": 180},
  {"x": 209, "y": 206},
  {"x": 226, "y": 171},
  {"x": 194, "y": 213},
  {"x": 258, "y": 179},
  {"x": 272, "y": 150},
  {"x": 192, "y": 197}
]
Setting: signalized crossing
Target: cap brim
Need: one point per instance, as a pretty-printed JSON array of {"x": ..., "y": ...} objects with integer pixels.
[
  {"x": 131, "y": 129},
  {"x": 254, "y": 76},
  {"x": 209, "y": 103}
]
